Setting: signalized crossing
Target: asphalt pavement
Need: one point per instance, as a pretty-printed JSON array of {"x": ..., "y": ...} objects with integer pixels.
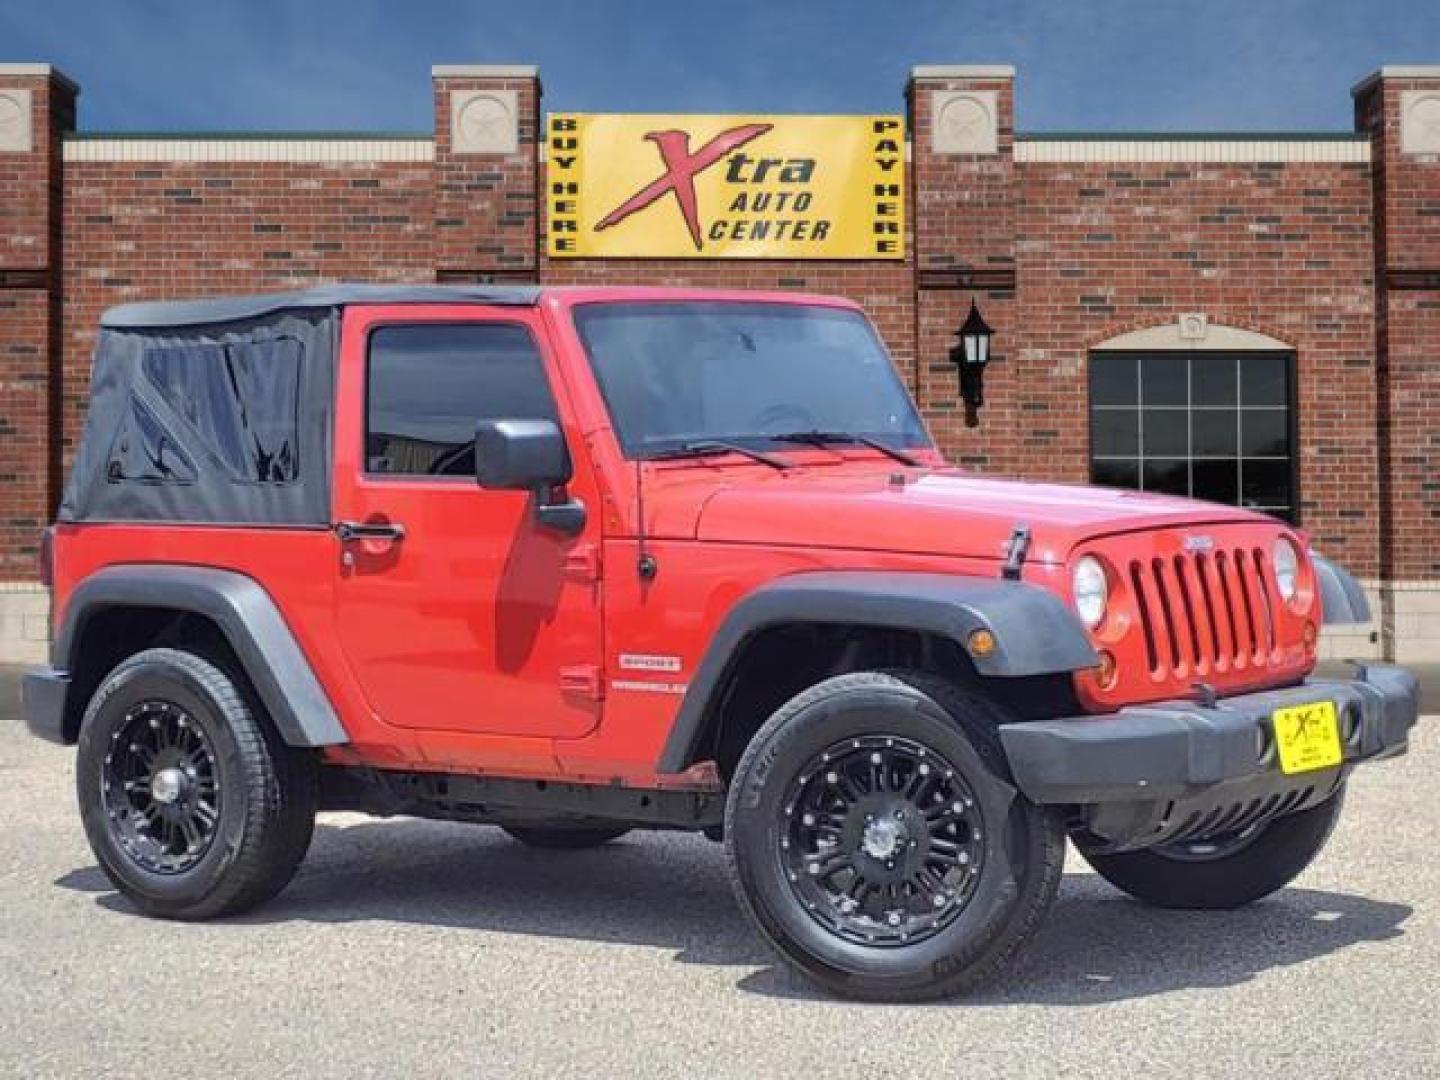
[{"x": 408, "y": 948}]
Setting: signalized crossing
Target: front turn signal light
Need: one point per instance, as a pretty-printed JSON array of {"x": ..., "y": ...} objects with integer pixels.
[{"x": 1106, "y": 671}]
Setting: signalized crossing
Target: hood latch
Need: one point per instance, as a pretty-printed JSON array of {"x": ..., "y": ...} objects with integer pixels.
[{"x": 1016, "y": 548}]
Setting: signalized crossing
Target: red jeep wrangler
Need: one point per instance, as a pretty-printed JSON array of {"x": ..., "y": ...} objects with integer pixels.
[{"x": 577, "y": 561}]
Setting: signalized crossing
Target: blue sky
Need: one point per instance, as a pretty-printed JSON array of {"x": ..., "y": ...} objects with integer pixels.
[{"x": 364, "y": 64}]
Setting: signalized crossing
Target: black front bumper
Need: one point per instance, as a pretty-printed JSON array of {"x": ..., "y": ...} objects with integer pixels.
[
  {"x": 1176, "y": 769},
  {"x": 42, "y": 699}
]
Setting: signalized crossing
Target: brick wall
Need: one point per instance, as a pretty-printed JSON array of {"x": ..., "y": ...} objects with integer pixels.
[
  {"x": 30, "y": 249},
  {"x": 1061, "y": 255},
  {"x": 1407, "y": 259}
]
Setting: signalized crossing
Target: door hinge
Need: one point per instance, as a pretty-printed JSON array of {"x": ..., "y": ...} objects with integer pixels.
[
  {"x": 582, "y": 563},
  {"x": 583, "y": 681}
]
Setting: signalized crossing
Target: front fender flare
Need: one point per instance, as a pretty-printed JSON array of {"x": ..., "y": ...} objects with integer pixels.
[
  {"x": 1341, "y": 598},
  {"x": 245, "y": 614},
  {"x": 1036, "y": 633}
]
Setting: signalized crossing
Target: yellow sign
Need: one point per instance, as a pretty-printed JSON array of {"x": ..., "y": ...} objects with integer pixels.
[{"x": 729, "y": 187}]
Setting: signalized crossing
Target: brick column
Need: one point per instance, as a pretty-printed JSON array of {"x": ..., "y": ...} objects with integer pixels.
[
  {"x": 1400, "y": 108},
  {"x": 487, "y": 123},
  {"x": 37, "y": 105},
  {"x": 963, "y": 207}
]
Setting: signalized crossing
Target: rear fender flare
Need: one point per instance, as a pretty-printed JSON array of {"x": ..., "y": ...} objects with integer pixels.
[
  {"x": 1036, "y": 633},
  {"x": 244, "y": 613}
]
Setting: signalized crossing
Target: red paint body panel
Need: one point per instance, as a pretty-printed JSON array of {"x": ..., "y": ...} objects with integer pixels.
[{"x": 483, "y": 643}]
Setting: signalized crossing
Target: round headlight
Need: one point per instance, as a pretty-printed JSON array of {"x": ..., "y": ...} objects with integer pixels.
[
  {"x": 1091, "y": 590},
  {"x": 1287, "y": 568}
]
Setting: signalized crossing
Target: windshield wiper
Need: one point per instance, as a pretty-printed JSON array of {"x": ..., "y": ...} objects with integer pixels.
[
  {"x": 821, "y": 438},
  {"x": 712, "y": 448}
]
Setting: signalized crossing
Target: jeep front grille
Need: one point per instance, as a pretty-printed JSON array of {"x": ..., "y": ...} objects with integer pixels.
[{"x": 1208, "y": 611}]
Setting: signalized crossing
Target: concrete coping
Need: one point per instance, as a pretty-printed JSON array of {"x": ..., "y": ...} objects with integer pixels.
[
  {"x": 485, "y": 71},
  {"x": 42, "y": 71},
  {"x": 963, "y": 71},
  {"x": 1397, "y": 71}
]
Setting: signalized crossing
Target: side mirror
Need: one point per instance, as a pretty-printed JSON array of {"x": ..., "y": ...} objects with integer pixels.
[
  {"x": 520, "y": 455},
  {"x": 529, "y": 455}
]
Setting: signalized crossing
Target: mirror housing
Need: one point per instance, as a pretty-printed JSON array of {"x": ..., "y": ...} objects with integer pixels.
[
  {"x": 520, "y": 455},
  {"x": 530, "y": 455}
]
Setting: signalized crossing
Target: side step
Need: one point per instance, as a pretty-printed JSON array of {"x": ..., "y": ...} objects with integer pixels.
[{"x": 499, "y": 800}]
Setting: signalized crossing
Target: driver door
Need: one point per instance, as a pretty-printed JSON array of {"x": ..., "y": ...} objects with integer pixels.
[{"x": 476, "y": 619}]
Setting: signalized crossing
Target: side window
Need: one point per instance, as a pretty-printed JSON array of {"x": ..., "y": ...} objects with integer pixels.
[
  {"x": 427, "y": 385},
  {"x": 240, "y": 402}
]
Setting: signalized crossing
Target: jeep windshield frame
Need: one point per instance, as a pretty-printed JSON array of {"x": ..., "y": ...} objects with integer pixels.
[{"x": 748, "y": 373}]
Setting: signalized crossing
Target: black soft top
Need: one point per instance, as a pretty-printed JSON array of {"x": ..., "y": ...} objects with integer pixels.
[{"x": 207, "y": 311}]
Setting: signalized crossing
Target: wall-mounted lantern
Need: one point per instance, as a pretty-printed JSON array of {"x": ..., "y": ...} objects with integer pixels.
[{"x": 970, "y": 355}]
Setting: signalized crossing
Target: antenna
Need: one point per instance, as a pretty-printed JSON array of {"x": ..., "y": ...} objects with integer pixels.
[{"x": 645, "y": 564}]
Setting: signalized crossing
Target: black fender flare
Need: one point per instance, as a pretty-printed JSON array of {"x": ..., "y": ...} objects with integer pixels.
[
  {"x": 1342, "y": 600},
  {"x": 247, "y": 616},
  {"x": 1036, "y": 633}
]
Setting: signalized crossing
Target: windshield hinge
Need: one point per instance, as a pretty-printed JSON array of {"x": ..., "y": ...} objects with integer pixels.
[{"x": 1016, "y": 548}]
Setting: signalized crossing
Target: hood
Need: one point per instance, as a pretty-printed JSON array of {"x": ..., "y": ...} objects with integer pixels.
[{"x": 939, "y": 512}]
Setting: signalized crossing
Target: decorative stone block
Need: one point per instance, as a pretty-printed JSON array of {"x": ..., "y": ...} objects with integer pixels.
[
  {"x": 965, "y": 122},
  {"x": 484, "y": 122},
  {"x": 1420, "y": 122},
  {"x": 1193, "y": 326},
  {"x": 16, "y": 129}
]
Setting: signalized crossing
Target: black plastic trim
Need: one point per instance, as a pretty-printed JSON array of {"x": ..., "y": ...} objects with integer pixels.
[
  {"x": 42, "y": 700},
  {"x": 245, "y": 614},
  {"x": 1341, "y": 597},
  {"x": 1177, "y": 749},
  {"x": 1036, "y": 633}
]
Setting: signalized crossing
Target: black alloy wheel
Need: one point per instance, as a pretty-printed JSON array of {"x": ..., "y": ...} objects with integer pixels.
[
  {"x": 160, "y": 788},
  {"x": 193, "y": 805},
  {"x": 876, "y": 842},
  {"x": 883, "y": 840}
]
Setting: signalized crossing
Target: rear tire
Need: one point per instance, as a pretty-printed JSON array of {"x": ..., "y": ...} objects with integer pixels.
[
  {"x": 563, "y": 838},
  {"x": 876, "y": 843},
  {"x": 1224, "y": 872},
  {"x": 192, "y": 804}
]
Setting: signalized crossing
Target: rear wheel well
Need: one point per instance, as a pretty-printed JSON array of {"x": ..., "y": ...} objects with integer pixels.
[
  {"x": 776, "y": 663},
  {"x": 111, "y": 634}
]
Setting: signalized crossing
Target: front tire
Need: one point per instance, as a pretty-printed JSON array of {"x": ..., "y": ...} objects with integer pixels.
[
  {"x": 875, "y": 841},
  {"x": 1223, "y": 872},
  {"x": 192, "y": 804}
]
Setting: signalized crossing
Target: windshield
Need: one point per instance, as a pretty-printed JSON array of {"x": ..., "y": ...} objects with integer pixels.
[{"x": 745, "y": 373}]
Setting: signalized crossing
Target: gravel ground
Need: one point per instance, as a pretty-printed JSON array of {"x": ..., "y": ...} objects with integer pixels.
[{"x": 409, "y": 948}]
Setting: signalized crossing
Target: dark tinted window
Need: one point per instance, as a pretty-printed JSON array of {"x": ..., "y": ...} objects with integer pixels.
[
  {"x": 429, "y": 384},
  {"x": 1212, "y": 426}
]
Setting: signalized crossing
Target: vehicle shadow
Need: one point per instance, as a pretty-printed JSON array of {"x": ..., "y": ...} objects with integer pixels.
[{"x": 671, "y": 892}]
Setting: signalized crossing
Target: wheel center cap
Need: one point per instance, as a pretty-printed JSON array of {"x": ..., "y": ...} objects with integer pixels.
[
  {"x": 167, "y": 786},
  {"x": 882, "y": 837}
]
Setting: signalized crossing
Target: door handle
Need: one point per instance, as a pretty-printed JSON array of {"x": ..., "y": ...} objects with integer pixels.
[{"x": 349, "y": 531}]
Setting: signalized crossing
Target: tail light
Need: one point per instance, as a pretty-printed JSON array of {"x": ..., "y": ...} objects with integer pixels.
[{"x": 47, "y": 558}]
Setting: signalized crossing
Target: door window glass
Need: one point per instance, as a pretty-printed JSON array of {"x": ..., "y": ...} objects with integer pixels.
[{"x": 428, "y": 385}]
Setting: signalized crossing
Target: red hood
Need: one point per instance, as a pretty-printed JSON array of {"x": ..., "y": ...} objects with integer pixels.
[{"x": 935, "y": 511}]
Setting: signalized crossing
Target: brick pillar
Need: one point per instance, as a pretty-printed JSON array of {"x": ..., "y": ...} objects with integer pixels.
[
  {"x": 37, "y": 106},
  {"x": 487, "y": 123},
  {"x": 1400, "y": 108},
  {"x": 963, "y": 177}
]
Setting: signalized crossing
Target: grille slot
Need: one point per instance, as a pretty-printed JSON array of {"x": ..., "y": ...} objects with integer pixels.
[{"x": 1202, "y": 612}]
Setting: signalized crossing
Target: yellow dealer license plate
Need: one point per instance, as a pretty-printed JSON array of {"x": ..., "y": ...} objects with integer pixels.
[{"x": 1307, "y": 737}]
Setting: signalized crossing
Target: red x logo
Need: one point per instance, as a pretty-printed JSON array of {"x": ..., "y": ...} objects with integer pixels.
[{"x": 681, "y": 168}]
